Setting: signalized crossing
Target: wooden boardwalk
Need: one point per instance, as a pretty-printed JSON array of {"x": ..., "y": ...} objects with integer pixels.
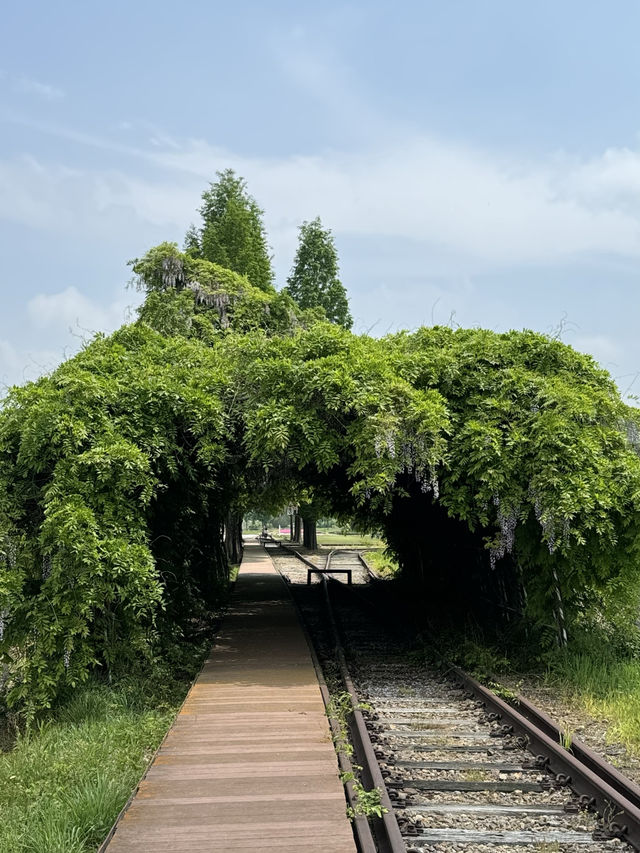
[{"x": 248, "y": 763}]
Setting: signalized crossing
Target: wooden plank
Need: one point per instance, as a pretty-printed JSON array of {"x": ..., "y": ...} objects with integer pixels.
[
  {"x": 517, "y": 809},
  {"x": 469, "y": 836},
  {"x": 248, "y": 763},
  {"x": 461, "y": 785}
]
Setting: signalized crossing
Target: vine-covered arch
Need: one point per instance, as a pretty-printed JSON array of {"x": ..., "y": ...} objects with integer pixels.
[{"x": 468, "y": 449}]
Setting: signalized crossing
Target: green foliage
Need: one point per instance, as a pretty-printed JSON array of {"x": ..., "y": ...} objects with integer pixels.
[
  {"x": 314, "y": 281},
  {"x": 542, "y": 456},
  {"x": 382, "y": 563},
  {"x": 118, "y": 471},
  {"x": 481, "y": 660},
  {"x": 338, "y": 710},
  {"x": 67, "y": 778},
  {"x": 193, "y": 297},
  {"x": 601, "y": 681},
  {"x": 483, "y": 458},
  {"x": 232, "y": 234},
  {"x": 84, "y": 457},
  {"x": 368, "y": 802}
]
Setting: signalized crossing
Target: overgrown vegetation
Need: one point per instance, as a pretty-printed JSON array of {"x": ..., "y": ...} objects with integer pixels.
[
  {"x": 69, "y": 775},
  {"x": 605, "y": 685},
  {"x": 502, "y": 469},
  {"x": 382, "y": 563},
  {"x": 597, "y": 673},
  {"x": 368, "y": 802}
]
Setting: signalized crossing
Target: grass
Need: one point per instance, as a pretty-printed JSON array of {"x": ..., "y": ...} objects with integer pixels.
[
  {"x": 326, "y": 537},
  {"x": 605, "y": 687},
  {"x": 64, "y": 782},
  {"x": 597, "y": 674},
  {"x": 591, "y": 675},
  {"x": 382, "y": 565},
  {"x": 352, "y": 539}
]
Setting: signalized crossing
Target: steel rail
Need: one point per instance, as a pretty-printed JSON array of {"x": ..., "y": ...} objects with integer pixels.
[
  {"x": 361, "y": 827},
  {"x": 621, "y": 816},
  {"x": 386, "y": 829},
  {"x": 597, "y": 784},
  {"x": 610, "y": 774}
]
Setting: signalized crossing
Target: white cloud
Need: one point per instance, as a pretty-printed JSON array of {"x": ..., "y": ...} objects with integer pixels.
[
  {"x": 107, "y": 204},
  {"x": 455, "y": 198},
  {"x": 21, "y": 84},
  {"x": 60, "y": 322},
  {"x": 478, "y": 209},
  {"x": 21, "y": 365},
  {"x": 72, "y": 310}
]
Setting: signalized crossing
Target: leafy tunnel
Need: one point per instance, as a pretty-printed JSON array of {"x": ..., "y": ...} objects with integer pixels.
[{"x": 496, "y": 466}]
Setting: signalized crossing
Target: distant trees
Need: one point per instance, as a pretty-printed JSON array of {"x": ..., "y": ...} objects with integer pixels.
[
  {"x": 314, "y": 278},
  {"x": 233, "y": 236},
  {"x": 232, "y": 233}
]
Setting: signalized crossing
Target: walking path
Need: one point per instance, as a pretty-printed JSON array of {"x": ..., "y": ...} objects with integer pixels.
[{"x": 248, "y": 763}]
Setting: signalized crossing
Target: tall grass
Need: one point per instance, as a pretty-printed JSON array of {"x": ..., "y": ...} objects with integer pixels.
[
  {"x": 606, "y": 686},
  {"x": 65, "y": 780}
]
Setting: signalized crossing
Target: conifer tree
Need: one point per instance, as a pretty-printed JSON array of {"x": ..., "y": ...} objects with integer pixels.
[
  {"x": 233, "y": 233},
  {"x": 314, "y": 277}
]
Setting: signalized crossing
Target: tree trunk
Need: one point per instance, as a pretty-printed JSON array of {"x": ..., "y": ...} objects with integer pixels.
[
  {"x": 239, "y": 539},
  {"x": 233, "y": 537},
  {"x": 216, "y": 569},
  {"x": 559, "y": 612},
  {"x": 296, "y": 529},
  {"x": 310, "y": 535}
]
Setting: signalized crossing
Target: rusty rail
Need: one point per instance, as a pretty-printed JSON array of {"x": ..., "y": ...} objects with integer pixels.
[
  {"x": 597, "y": 784},
  {"x": 607, "y": 772},
  {"x": 386, "y": 830},
  {"x": 591, "y": 782}
]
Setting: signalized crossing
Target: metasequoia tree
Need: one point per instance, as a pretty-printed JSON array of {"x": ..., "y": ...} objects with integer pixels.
[
  {"x": 313, "y": 281},
  {"x": 232, "y": 233}
]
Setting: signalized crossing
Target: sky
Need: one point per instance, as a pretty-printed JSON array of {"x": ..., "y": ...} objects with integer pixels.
[{"x": 478, "y": 161}]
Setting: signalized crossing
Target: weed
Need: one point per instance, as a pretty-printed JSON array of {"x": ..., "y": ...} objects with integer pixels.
[
  {"x": 508, "y": 694},
  {"x": 382, "y": 563},
  {"x": 473, "y": 776},
  {"x": 339, "y": 708},
  {"x": 606, "y": 686},
  {"x": 566, "y": 738},
  {"x": 368, "y": 803}
]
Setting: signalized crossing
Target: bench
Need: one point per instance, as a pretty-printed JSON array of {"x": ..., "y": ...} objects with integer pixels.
[{"x": 346, "y": 572}]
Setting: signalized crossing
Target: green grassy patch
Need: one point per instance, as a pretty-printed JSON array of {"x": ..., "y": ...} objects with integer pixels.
[
  {"x": 382, "y": 564},
  {"x": 593, "y": 675},
  {"x": 605, "y": 687},
  {"x": 66, "y": 779},
  {"x": 354, "y": 540}
]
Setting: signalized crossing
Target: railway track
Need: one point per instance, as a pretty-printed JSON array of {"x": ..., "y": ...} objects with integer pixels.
[{"x": 456, "y": 767}]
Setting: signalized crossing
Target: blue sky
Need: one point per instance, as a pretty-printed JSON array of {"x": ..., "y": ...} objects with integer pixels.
[{"x": 477, "y": 160}]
